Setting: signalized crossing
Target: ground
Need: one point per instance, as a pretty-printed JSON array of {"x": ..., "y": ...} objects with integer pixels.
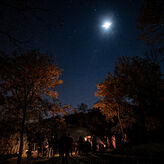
[
  {"x": 141, "y": 154},
  {"x": 92, "y": 159}
]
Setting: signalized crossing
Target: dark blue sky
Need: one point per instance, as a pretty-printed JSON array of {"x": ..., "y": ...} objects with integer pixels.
[
  {"x": 85, "y": 52},
  {"x": 81, "y": 47}
]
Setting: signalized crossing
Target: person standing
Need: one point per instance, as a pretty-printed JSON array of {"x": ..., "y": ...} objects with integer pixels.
[
  {"x": 80, "y": 145},
  {"x": 55, "y": 144},
  {"x": 94, "y": 144},
  {"x": 70, "y": 143},
  {"x": 45, "y": 147},
  {"x": 50, "y": 149},
  {"x": 87, "y": 146},
  {"x": 64, "y": 148},
  {"x": 108, "y": 142},
  {"x": 114, "y": 142}
]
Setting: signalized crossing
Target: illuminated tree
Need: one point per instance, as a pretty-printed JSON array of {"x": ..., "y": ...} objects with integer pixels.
[
  {"x": 134, "y": 92},
  {"x": 26, "y": 81},
  {"x": 113, "y": 103}
]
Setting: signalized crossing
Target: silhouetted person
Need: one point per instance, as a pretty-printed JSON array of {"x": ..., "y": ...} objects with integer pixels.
[
  {"x": 64, "y": 148},
  {"x": 70, "y": 143},
  {"x": 114, "y": 142},
  {"x": 87, "y": 146},
  {"x": 126, "y": 142},
  {"x": 39, "y": 149},
  {"x": 45, "y": 147},
  {"x": 94, "y": 144},
  {"x": 105, "y": 145},
  {"x": 76, "y": 146},
  {"x": 50, "y": 143},
  {"x": 16, "y": 147},
  {"x": 105, "y": 140},
  {"x": 55, "y": 144},
  {"x": 39, "y": 144},
  {"x": 80, "y": 144},
  {"x": 61, "y": 146},
  {"x": 29, "y": 154},
  {"x": 108, "y": 142}
]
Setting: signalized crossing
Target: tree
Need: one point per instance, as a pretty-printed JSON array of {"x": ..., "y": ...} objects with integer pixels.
[
  {"x": 151, "y": 21},
  {"x": 155, "y": 56},
  {"x": 82, "y": 107},
  {"x": 133, "y": 92},
  {"x": 16, "y": 14},
  {"x": 28, "y": 81},
  {"x": 113, "y": 103},
  {"x": 143, "y": 85},
  {"x": 141, "y": 80},
  {"x": 18, "y": 27}
]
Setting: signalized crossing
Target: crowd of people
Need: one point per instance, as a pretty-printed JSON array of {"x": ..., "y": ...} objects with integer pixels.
[{"x": 65, "y": 145}]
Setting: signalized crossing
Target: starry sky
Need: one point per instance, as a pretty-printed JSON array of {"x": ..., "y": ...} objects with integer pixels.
[{"x": 73, "y": 35}]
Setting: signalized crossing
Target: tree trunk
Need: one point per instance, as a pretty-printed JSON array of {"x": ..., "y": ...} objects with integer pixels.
[
  {"x": 21, "y": 137},
  {"x": 122, "y": 130}
]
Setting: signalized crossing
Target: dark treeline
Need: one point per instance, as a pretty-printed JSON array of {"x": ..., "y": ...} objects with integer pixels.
[{"x": 132, "y": 98}]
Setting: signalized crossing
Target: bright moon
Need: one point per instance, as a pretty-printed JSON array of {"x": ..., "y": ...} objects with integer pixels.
[{"x": 106, "y": 25}]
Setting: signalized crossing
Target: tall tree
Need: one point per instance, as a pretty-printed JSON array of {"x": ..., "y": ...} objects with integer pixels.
[
  {"x": 151, "y": 21},
  {"x": 141, "y": 80},
  {"x": 135, "y": 88},
  {"x": 26, "y": 80},
  {"x": 113, "y": 103},
  {"x": 143, "y": 85},
  {"x": 18, "y": 27}
]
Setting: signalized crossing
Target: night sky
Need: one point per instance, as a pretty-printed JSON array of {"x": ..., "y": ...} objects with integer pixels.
[{"x": 74, "y": 36}]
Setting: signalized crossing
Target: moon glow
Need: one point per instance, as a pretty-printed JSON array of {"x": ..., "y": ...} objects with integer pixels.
[{"x": 106, "y": 25}]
